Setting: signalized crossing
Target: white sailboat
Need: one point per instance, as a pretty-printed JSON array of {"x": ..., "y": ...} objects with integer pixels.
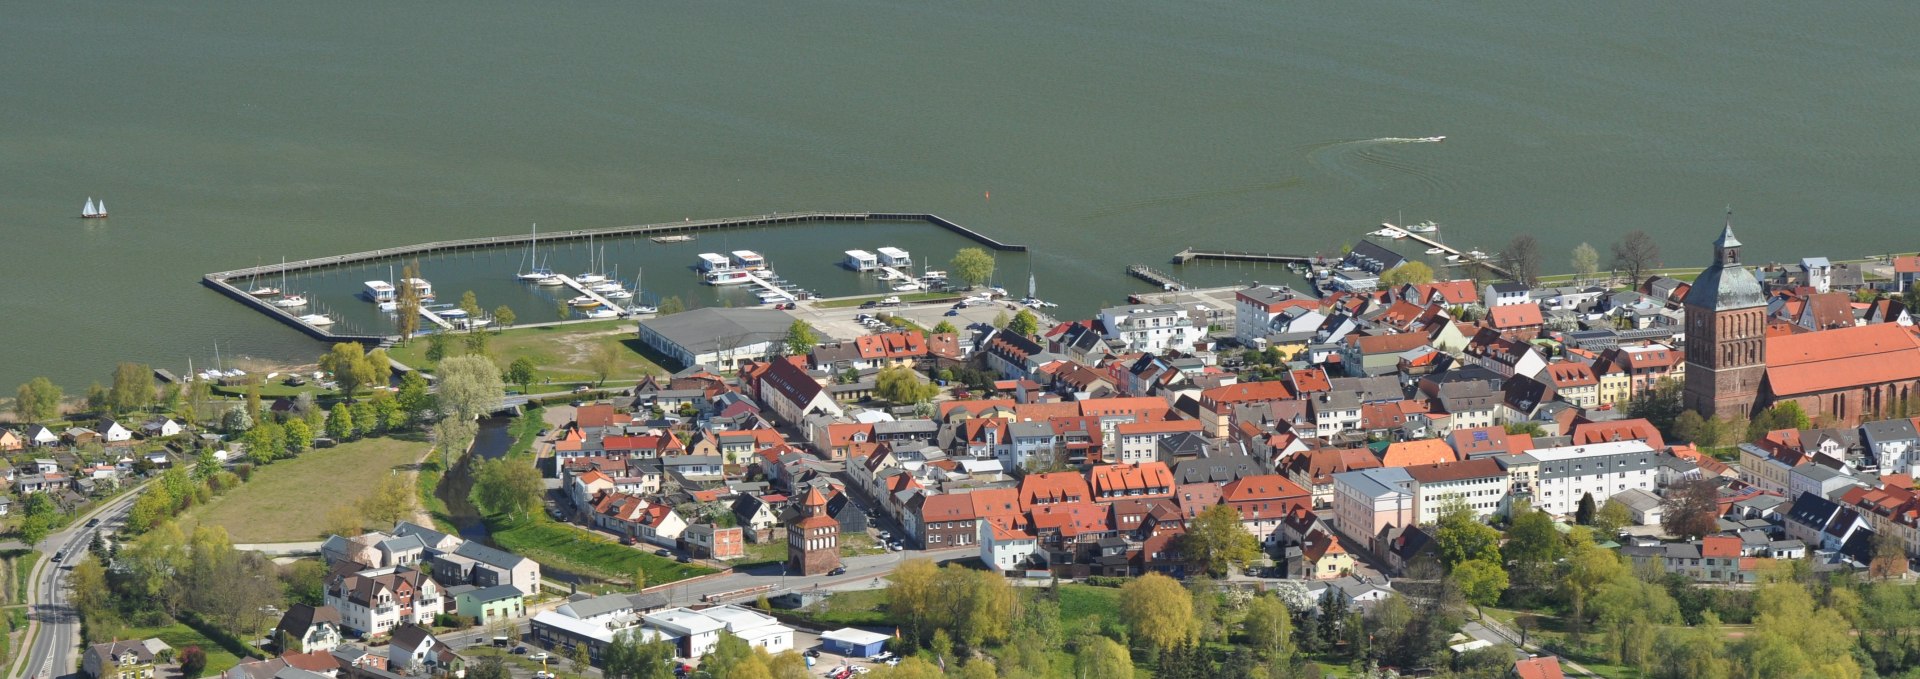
[
  {"x": 289, "y": 300},
  {"x": 92, "y": 211},
  {"x": 533, "y": 255},
  {"x": 593, "y": 270}
]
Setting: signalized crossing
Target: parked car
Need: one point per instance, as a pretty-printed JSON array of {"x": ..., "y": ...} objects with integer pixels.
[
  {"x": 683, "y": 558},
  {"x": 519, "y": 650},
  {"x": 838, "y": 570},
  {"x": 92, "y": 522},
  {"x": 537, "y": 657},
  {"x": 869, "y": 305},
  {"x": 662, "y": 552},
  {"x": 953, "y": 312}
]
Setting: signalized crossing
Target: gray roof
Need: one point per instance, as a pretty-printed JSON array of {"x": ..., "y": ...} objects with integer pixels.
[
  {"x": 600, "y": 605},
  {"x": 495, "y": 593},
  {"x": 402, "y": 544},
  {"x": 913, "y": 426},
  {"x": 488, "y": 555},
  {"x": 1889, "y": 430},
  {"x": 714, "y": 328},
  {"x": 1376, "y": 483},
  {"x": 1636, "y": 498},
  {"x": 424, "y": 533},
  {"x": 1025, "y": 430},
  {"x": 1724, "y": 286}
]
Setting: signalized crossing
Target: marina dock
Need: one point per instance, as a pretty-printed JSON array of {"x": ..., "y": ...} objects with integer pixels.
[
  {"x": 760, "y": 280},
  {"x": 220, "y": 280},
  {"x": 582, "y": 289},
  {"x": 435, "y": 318},
  {"x": 1190, "y": 254},
  {"x": 1465, "y": 259},
  {"x": 1164, "y": 280}
]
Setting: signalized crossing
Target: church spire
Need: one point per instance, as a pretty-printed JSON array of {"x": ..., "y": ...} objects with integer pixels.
[{"x": 1726, "y": 249}]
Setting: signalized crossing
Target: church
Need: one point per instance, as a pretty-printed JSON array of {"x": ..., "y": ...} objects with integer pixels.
[{"x": 1736, "y": 367}]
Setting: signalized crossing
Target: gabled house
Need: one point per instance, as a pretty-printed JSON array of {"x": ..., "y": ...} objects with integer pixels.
[
  {"x": 307, "y": 629},
  {"x": 416, "y": 649}
]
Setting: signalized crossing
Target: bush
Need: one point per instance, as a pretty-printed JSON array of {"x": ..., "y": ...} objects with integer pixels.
[{"x": 1108, "y": 580}]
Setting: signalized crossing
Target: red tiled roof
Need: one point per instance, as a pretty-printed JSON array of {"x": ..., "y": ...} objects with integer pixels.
[
  {"x": 1412, "y": 453},
  {"x": 1071, "y": 519},
  {"x": 1134, "y": 405},
  {"x": 1052, "y": 488},
  {"x": 1843, "y": 358},
  {"x": 1123, "y": 477},
  {"x": 1510, "y": 316},
  {"x": 999, "y": 505},
  {"x": 1388, "y": 344},
  {"x": 1566, "y": 374},
  {"x": 1037, "y": 412},
  {"x": 1245, "y": 392},
  {"x": 1720, "y": 546},
  {"x": 1906, "y": 264},
  {"x": 1452, "y": 292},
  {"x": 842, "y": 433},
  {"x": 1262, "y": 487},
  {"x": 947, "y": 507},
  {"x": 1538, "y": 668},
  {"x": 1457, "y": 471},
  {"x": 901, "y": 344},
  {"x": 1618, "y": 430},
  {"x": 1310, "y": 380}
]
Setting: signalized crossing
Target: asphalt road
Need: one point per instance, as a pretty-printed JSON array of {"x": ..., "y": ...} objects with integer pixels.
[{"x": 55, "y": 648}]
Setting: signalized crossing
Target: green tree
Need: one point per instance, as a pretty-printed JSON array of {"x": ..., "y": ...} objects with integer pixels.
[
  {"x": 1460, "y": 536},
  {"x": 471, "y": 304},
  {"x": 366, "y": 416},
  {"x": 1787, "y": 415},
  {"x": 1611, "y": 518},
  {"x": 801, "y": 338},
  {"x": 299, "y": 436},
  {"x": 265, "y": 442},
  {"x": 1690, "y": 427},
  {"x": 508, "y": 487},
  {"x": 1000, "y": 320},
  {"x": 439, "y": 347},
  {"x": 1480, "y": 581},
  {"x": 1660, "y": 405},
  {"x": 901, "y": 384},
  {"x": 340, "y": 422},
  {"x": 1100, "y": 657},
  {"x": 603, "y": 362},
  {"x": 407, "y": 301},
  {"x": 1216, "y": 541},
  {"x": 1586, "y": 261},
  {"x": 391, "y": 501},
  {"x": 671, "y": 306},
  {"x": 1584, "y": 514},
  {"x": 470, "y": 387},
  {"x": 236, "y": 422},
  {"x": 1269, "y": 627},
  {"x": 1410, "y": 272},
  {"x": 415, "y": 397},
  {"x": 1024, "y": 323},
  {"x": 521, "y": 372},
  {"x": 503, "y": 316},
  {"x": 1533, "y": 549},
  {"x": 347, "y": 361},
  {"x": 973, "y": 266},
  {"x": 944, "y": 328},
  {"x": 1159, "y": 611},
  {"x": 132, "y": 387},
  {"x": 38, "y": 400},
  {"x": 154, "y": 506}
]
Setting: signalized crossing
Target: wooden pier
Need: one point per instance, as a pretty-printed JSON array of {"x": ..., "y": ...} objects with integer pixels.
[
  {"x": 1190, "y": 254},
  {"x": 219, "y": 279},
  {"x": 1465, "y": 259},
  {"x": 1166, "y": 281}
]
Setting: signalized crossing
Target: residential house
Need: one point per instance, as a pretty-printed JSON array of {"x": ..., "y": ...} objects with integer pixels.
[
  {"x": 1263, "y": 501},
  {"x": 415, "y": 649},
  {"x": 307, "y": 629},
  {"x": 375, "y": 601},
  {"x": 486, "y": 605},
  {"x": 709, "y": 541},
  {"x": 129, "y": 659},
  {"x": 1151, "y": 328}
]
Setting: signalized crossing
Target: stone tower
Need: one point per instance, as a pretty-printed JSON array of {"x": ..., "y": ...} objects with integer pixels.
[
  {"x": 1726, "y": 334},
  {"x": 813, "y": 541}
]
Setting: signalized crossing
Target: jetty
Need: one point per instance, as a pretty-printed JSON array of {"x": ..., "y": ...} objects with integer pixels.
[
  {"x": 1164, "y": 280},
  {"x": 761, "y": 281},
  {"x": 435, "y": 319},
  {"x": 1191, "y": 254},
  {"x": 582, "y": 289},
  {"x": 221, "y": 280},
  {"x": 1465, "y": 259}
]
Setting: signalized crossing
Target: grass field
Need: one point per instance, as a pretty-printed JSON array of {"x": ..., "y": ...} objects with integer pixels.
[
  {"x": 288, "y": 501},
  {"x": 180, "y": 636},
  {"x": 580, "y": 551},
  {"x": 563, "y": 353}
]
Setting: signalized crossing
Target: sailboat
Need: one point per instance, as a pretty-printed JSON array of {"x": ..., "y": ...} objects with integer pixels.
[
  {"x": 538, "y": 271},
  {"x": 289, "y": 300},
  {"x": 92, "y": 211},
  {"x": 257, "y": 290},
  {"x": 592, "y": 275}
]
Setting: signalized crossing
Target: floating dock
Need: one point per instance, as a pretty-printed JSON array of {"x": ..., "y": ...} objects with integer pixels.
[
  {"x": 1190, "y": 254},
  {"x": 1164, "y": 280},
  {"x": 220, "y": 280},
  {"x": 1465, "y": 259}
]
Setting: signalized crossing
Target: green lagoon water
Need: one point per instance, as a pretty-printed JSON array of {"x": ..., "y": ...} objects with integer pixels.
[{"x": 226, "y": 134}]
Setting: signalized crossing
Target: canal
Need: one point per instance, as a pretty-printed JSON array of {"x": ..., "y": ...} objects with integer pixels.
[{"x": 491, "y": 442}]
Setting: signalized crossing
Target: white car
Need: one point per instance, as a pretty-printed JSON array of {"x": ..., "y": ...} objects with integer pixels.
[{"x": 537, "y": 657}]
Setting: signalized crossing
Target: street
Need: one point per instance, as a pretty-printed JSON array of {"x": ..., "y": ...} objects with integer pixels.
[{"x": 54, "y": 626}]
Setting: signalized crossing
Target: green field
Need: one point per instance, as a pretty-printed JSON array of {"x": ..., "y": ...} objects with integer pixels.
[
  {"x": 180, "y": 636},
  {"x": 288, "y": 501},
  {"x": 562, "y": 353},
  {"x": 578, "y": 550}
]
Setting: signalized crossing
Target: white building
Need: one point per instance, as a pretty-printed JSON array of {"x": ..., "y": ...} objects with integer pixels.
[
  {"x": 861, "y": 260},
  {"x": 693, "y": 632},
  {"x": 1481, "y": 484},
  {"x": 758, "y": 629},
  {"x": 1152, "y": 328},
  {"x": 892, "y": 256},
  {"x": 1602, "y": 470},
  {"x": 1003, "y": 548},
  {"x": 1366, "y": 501},
  {"x": 717, "y": 337},
  {"x": 1255, "y": 308}
]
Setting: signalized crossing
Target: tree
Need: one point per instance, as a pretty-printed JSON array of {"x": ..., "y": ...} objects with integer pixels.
[
  {"x": 580, "y": 657},
  {"x": 1216, "y": 540},
  {"x": 1889, "y": 557},
  {"x": 1584, "y": 514},
  {"x": 132, "y": 387},
  {"x": 521, "y": 372},
  {"x": 1688, "y": 426},
  {"x": 1269, "y": 627},
  {"x": 390, "y": 501},
  {"x": 1410, "y": 272},
  {"x": 605, "y": 359},
  {"x": 1691, "y": 508},
  {"x": 503, "y": 316},
  {"x": 1000, "y": 320},
  {"x": 407, "y": 301},
  {"x": 1100, "y": 657},
  {"x": 507, "y": 487},
  {"x": 972, "y": 266},
  {"x": 1481, "y": 581},
  {"x": 340, "y": 422},
  {"x": 476, "y": 343},
  {"x": 265, "y": 442},
  {"x": 344, "y": 521},
  {"x": 470, "y": 387},
  {"x": 414, "y": 398},
  {"x": 1611, "y": 518},
  {"x": 1586, "y": 262},
  {"x": 671, "y": 306},
  {"x": 1787, "y": 415},
  {"x": 38, "y": 400},
  {"x": 801, "y": 338},
  {"x": 1636, "y": 253},
  {"x": 439, "y": 347},
  {"x": 347, "y": 361},
  {"x": 1660, "y": 406},
  {"x": 1460, "y": 536},
  {"x": 299, "y": 436},
  {"x": 236, "y": 421},
  {"x": 944, "y": 328},
  {"x": 911, "y": 597},
  {"x": 1024, "y": 323},
  {"x": 471, "y": 304},
  {"x": 488, "y": 667},
  {"x": 1158, "y": 610},
  {"x": 900, "y": 384},
  {"x": 193, "y": 662},
  {"x": 1522, "y": 257}
]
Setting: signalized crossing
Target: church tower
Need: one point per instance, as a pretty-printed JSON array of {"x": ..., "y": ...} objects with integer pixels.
[
  {"x": 1726, "y": 311},
  {"x": 813, "y": 542}
]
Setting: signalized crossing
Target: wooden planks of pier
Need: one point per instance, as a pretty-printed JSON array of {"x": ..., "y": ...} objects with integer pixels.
[
  {"x": 1190, "y": 254},
  {"x": 1164, "y": 280}
]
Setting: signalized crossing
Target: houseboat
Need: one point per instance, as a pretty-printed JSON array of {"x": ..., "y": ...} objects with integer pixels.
[
  {"x": 379, "y": 291},
  {"x": 749, "y": 260},
  {"x": 734, "y": 277},
  {"x": 861, "y": 260},
  {"x": 892, "y": 256},
  {"x": 711, "y": 262},
  {"x": 421, "y": 287}
]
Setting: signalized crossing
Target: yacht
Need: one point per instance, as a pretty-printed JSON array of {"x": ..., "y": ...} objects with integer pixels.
[
  {"x": 264, "y": 291},
  {"x": 643, "y": 309},
  {"x": 290, "y": 302},
  {"x": 603, "y": 313},
  {"x": 1476, "y": 254},
  {"x": 1423, "y": 227},
  {"x": 449, "y": 311},
  {"x": 617, "y": 293},
  {"x": 550, "y": 281},
  {"x": 583, "y": 302},
  {"x": 906, "y": 287},
  {"x": 728, "y": 278},
  {"x": 317, "y": 320},
  {"x": 538, "y": 272},
  {"x": 682, "y": 238}
]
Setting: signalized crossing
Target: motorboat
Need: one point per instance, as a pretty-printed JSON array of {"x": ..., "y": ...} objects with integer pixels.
[
  {"x": 728, "y": 278},
  {"x": 617, "y": 293},
  {"x": 1434, "y": 139},
  {"x": 290, "y": 302},
  {"x": 551, "y": 281},
  {"x": 906, "y": 287},
  {"x": 449, "y": 312},
  {"x": 1453, "y": 258},
  {"x": 1436, "y": 251},
  {"x": 583, "y": 302},
  {"x": 316, "y": 320},
  {"x": 388, "y": 307},
  {"x": 1388, "y": 231},
  {"x": 681, "y": 238},
  {"x": 1476, "y": 254},
  {"x": 643, "y": 309},
  {"x": 1423, "y": 227},
  {"x": 604, "y": 313}
]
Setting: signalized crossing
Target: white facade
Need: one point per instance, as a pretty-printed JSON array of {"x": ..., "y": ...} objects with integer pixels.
[
  {"x": 1151, "y": 328},
  {"x": 1601, "y": 469},
  {"x": 1485, "y": 495},
  {"x": 1002, "y": 549}
]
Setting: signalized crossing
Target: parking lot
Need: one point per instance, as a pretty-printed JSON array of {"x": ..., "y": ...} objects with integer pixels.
[{"x": 846, "y": 323}]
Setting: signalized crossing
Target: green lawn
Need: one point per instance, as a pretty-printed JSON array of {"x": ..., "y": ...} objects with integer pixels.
[
  {"x": 424, "y": 485},
  {"x": 762, "y": 553},
  {"x": 578, "y": 550},
  {"x": 23, "y": 562},
  {"x": 856, "y": 544},
  {"x": 288, "y": 501},
  {"x": 562, "y": 353},
  {"x": 1079, "y": 602},
  {"x": 857, "y": 608},
  {"x": 180, "y": 636}
]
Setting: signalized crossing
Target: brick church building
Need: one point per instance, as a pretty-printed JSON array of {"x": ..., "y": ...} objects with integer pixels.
[
  {"x": 813, "y": 542},
  {"x": 1734, "y": 367}
]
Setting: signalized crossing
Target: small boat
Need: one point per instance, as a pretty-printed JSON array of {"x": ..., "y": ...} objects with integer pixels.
[
  {"x": 264, "y": 291},
  {"x": 603, "y": 313},
  {"x": 728, "y": 278},
  {"x": 1434, "y": 139},
  {"x": 92, "y": 211},
  {"x": 589, "y": 278},
  {"x": 1436, "y": 251},
  {"x": 450, "y": 312},
  {"x": 643, "y": 309},
  {"x": 1388, "y": 231},
  {"x": 317, "y": 320},
  {"x": 605, "y": 286},
  {"x": 935, "y": 275},
  {"x": 474, "y": 323},
  {"x": 1476, "y": 254},
  {"x": 388, "y": 307},
  {"x": 290, "y": 302},
  {"x": 620, "y": 293},
  {"x": 583, "y": 302},
  {"x": 538, "y": 271},
  {"x": 681, "y": 238},
  {"x": 1453, "y": 258},
  {"x": 906, "y": 287},
  {"x": 1424, "y": 227},
  {"x": 550, "y": 281}
]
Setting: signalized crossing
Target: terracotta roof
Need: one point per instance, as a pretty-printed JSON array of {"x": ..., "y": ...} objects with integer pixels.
[
  {"x": 1388, "y": 344},
  {"x": 1411, "y": 453},
  {"x": 1053, "y": 488},
  {"x": 1843, "y": 358},
  {"x": 1618, "y": 430},
  {"x": 1071, "y": 519},
  {"x": 842, "y": 433},
  {"x": 999, "y": 505},
  {"x": 902, "y": 344},
  {"x": 1509, "y": 316},
  {"x": 1309, "y": 380},
  {"x": 1262, "y": 487},
  {"x": 1118, "y": 478},
  {"x": 1906, "y": 264},
  {"x": 1320, "y": 464},
  {"x": 947, "y": 507},
  {"x": 1538, "y": 668},
  {"x": 1319, "y": 545},
  {"x": 1453, "y": 292},
  {"x": 1720, "y": 546},
  {"x": 1457, "y": 471},
  {"x": 1566, "y": 374},
  {"x": 1135, "y": 405},
  {"x": 1245, "y": 392},
  {"x": 1038, "y": 412}
]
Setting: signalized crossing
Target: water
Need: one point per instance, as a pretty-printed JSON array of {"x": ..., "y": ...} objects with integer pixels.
[{"x": 226, "y": 134}]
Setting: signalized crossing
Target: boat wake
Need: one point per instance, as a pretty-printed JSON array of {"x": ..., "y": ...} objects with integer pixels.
[{"x": 1373, "y": 163}]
